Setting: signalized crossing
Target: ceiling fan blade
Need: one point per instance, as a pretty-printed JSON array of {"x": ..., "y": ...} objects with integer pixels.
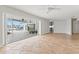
[{"x": 52, "y": 8}]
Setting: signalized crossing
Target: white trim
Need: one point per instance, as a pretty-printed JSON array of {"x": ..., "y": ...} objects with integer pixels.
[
  {"x": 3, "y": 30},
  {"x": 39, "y": 30}
]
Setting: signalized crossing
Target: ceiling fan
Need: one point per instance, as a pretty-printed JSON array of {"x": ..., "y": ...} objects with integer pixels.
[
  {"x": 50, "y": 8},
  {"x": 53, "y": 8}
]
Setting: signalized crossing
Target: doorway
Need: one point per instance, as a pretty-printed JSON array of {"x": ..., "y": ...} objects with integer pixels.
[
  {"x": 75, "y": 26},
  {"x": 51, "y": 26}
]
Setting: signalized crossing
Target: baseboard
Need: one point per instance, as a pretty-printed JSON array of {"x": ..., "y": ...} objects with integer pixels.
[
  {"x": 52, "y": 33},
  {"x": 59, "y": 33},
  {"x": 69, "y": 33},
  {"x": 45, "y": 33},
  {"x": 75, "y": 33}
]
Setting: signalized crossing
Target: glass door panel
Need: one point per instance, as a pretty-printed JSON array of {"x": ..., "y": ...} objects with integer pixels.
[
  {"x": 15, "y": 30},
  {"x": 9, "y": 35}
]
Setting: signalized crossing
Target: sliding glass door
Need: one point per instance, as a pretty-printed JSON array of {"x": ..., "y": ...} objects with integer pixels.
[
  {"x": 17, "y": 30},
  {"x": 14, "y": 30}
]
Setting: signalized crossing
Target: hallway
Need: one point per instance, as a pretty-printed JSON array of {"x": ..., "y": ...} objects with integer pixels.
[{"x": 48, "y": 43}]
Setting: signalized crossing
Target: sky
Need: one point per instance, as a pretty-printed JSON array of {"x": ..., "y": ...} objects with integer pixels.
[{"x": 10, "y": 22}]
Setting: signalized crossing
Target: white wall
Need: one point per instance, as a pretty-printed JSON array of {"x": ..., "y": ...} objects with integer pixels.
[
  {"x": 44, "y": 26},
  {"x": 60, "y": 26}
]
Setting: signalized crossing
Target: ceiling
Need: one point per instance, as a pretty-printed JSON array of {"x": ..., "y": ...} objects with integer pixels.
[{"x": 42, "y": 10}]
